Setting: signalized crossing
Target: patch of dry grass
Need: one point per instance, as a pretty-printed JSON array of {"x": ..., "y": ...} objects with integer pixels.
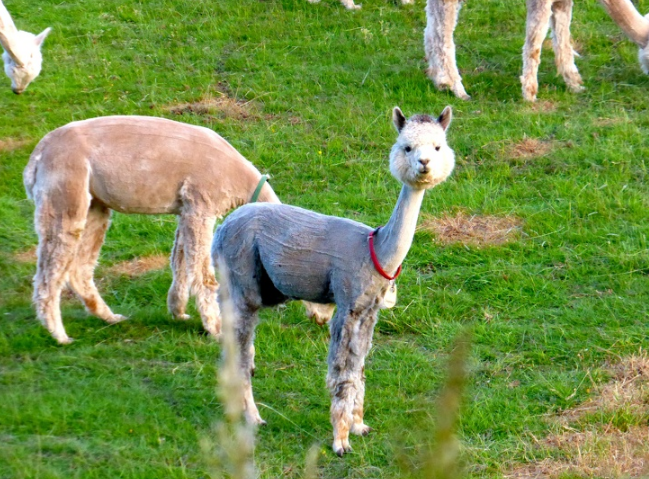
[
  {"x": 10, "y": 144},
  {"x": 600, "y": 448},
  {"x": 220, "y": 105},
  {"x": 473, "y": 229},
  {"x": 26, "y": 256},
  {"x": 139, "y": 266},
  {"x": 529, "y": 148}
]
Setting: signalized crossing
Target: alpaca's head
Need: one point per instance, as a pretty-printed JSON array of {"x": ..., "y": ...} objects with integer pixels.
[
  {"x": 23, "y": 59},
  {"x": 421, "y": 158}
]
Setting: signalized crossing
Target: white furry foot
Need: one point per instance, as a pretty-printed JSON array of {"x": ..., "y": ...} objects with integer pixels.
[
  {"x": 115, "y": 318},
  {"x": 254, "y": 418},
  {"x": 350, "y": 5},
  {"x": 341, "y": 446},
  {"x": 320, "y": 313},
  {"x": 182, "y": 317},
  {"x": 63, "y": 339},
  {"x": 360, "y": 429}
]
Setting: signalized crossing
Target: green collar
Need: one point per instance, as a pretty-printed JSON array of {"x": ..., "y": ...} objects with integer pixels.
[{"x": 255, "y": 195}]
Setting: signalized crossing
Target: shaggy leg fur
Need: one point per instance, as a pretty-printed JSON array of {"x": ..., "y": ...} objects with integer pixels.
[
  {"x": 57, "y": 245},
  {"x": 81, "y": 273},
  {"x": 441, "y": 19},
  {"x": 179, "y": 291},
  {"x": 351, "y": 338},
  {"x": 564, "y": 55},
  {"x": 538, "y": 22},
  {"x": 245, "y": 331},
  {"x": 197, "y": 235}
]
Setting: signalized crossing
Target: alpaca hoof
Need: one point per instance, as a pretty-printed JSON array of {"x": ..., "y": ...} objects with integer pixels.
[
  {"x": 341, "y": 447},
  {"x": 64, "y": 340},
  {"x": 116, "y": 318},
  {"x": 182, "y": 317},
  {"x": 577, "y": 88},
  {"x": 361, "y": 429}
]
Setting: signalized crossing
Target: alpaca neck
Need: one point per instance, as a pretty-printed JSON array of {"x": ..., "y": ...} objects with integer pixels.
[{"x": 394, "y": 239}]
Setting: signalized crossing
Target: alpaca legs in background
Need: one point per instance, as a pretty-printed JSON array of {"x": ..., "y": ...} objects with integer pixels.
[
  {"x": 441, "y": 19},
  {"x": 541, "y": 15},
  {"x": 564, "y": 55}
]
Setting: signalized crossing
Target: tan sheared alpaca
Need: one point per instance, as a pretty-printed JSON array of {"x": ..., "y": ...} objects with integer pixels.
[{"x": 80, "y": 172}]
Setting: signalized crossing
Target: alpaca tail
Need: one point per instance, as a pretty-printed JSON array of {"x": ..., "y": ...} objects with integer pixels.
[{"x": 29, "y": 173}]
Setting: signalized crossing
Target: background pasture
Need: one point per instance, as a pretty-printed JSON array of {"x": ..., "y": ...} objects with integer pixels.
[{"x": 555, "y": 297}]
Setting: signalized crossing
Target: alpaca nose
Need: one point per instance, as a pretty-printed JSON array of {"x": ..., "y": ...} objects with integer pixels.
[
  {"x": 424, "y": 162},
  {"x": 16, "y": 91}
]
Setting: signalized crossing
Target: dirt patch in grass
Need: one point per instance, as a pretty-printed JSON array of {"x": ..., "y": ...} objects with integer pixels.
[
  {"x": 220, "y": 105},
  {"x": 27, "y": 256},
  {"x": 139, "y": 266},
  {"x": 543, "y": 106},
  {"x": 473, "y": 229},
  {"x": 605, "y": 436},
  {"x": 10, "y": 144},
  {"x": 529, "y": 148}
]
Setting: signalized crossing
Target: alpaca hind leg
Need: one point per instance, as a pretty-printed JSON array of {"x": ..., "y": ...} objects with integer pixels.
[
  {"x": 439, "y": 46},
  {"x": 179, "y": 291},
  {"x": 351, "y": 338},
  {"x": 80, "y": 277},
  {"x": 564, "y": 55},
  {"x": 197, "y": 235},
  {"x": 59, "y": 219},
  {"x": 536, "y": 29}
]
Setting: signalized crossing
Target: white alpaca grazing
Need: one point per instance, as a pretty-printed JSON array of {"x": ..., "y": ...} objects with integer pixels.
[
  {"x": 22, "y": 52},
  {"x": 442, "y": 15},
  {"x": 80, "y": 172},
  {"x": 350, "y": 5},
  {"x": 270, "y": 253}
]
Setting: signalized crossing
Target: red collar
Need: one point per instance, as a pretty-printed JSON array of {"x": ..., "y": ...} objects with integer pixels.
[{"x": 375, "y": 260}]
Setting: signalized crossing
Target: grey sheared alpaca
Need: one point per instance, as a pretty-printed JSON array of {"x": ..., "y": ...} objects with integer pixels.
[{"x": 267, "y": 254}]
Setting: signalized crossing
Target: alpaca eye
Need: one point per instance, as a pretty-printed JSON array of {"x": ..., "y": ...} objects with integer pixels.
[
  {"x": 437, "y": 148},
  {"x": 408, "y": 149}
]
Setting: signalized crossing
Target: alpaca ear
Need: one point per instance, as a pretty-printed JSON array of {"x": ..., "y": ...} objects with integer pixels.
[
  {"x": 40, "y": 38},
  {"x": 445, "y": 118},
  {"x": 398, "y": 118}
]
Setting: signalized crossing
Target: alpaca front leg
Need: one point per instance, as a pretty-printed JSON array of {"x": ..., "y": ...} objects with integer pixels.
[
  {"x": 351, "y": 338},
  {"x": 197, "y": 235},
  {"x": 536, "y": 29},
  {"x": 564, "y": 55},
  {"x": 358, "y": 426},
  {"x": 439, "y": 46}
]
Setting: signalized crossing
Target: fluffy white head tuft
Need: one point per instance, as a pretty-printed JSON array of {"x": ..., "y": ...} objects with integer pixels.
[{"x": 421, "y": 158}]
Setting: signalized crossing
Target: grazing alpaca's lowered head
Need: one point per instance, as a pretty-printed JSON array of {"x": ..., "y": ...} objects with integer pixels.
[
  {"x": 270, "y": 253},
  {"x": 22, "y": 52}
]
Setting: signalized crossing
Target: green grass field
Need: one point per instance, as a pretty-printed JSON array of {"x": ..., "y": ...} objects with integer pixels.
[{"x": 305, "y": 92}]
